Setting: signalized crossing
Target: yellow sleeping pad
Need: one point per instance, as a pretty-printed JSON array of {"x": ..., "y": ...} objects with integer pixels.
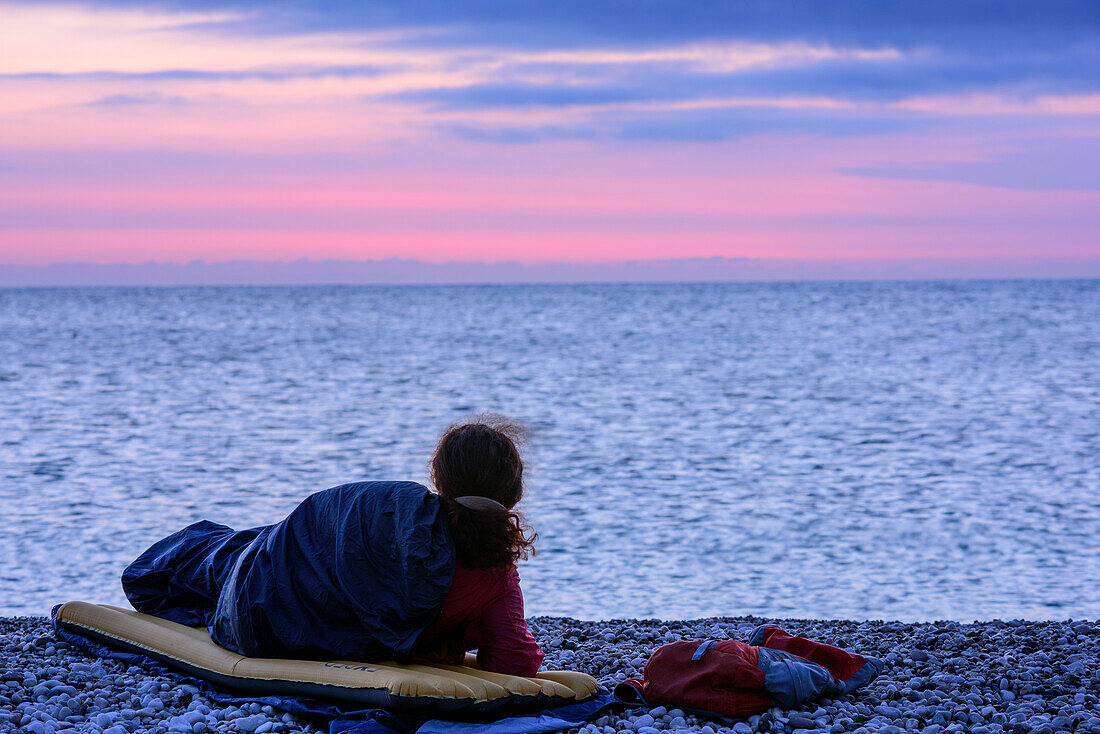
[{"x": 428, "y": 687}]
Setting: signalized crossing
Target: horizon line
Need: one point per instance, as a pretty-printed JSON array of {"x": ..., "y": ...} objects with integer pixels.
[{"x": 394, "y": 271}]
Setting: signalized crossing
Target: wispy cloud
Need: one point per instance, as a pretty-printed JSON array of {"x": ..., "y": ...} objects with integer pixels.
[
  {"x": 445, "y": 77},
  {"x": 1041, "y": 165},
  {"x": 136, "y": 100}
]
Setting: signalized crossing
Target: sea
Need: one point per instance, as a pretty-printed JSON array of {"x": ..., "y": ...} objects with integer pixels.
[{"x": 904, "y": 451}]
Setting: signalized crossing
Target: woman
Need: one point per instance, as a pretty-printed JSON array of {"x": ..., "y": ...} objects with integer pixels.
[{"x": 369, "y": 571}]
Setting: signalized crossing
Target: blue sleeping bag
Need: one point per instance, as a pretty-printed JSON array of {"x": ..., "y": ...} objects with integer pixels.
[{"x": 355, "y": 572}]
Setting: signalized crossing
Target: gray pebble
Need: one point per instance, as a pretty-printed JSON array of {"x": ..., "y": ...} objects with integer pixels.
[
  {"x": 179, "y": 723},
  {"x": 249, "y": 723}
]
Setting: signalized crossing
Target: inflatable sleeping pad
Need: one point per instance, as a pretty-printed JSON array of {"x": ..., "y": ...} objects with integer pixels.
[{"x": 444, "y": 688}]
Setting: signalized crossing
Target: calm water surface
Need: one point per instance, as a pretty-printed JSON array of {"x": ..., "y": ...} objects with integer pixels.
[{"x": 908, "y": 451}]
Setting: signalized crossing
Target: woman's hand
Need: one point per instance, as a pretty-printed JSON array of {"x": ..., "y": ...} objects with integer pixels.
[{"x": 449, "y": 652}]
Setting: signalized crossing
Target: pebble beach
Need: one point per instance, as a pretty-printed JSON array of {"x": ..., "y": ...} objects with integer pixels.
[{"x": 983, "y": 678}]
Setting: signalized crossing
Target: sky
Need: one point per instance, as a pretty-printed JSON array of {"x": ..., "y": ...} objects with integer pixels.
[{"x": 536, "y": 132}]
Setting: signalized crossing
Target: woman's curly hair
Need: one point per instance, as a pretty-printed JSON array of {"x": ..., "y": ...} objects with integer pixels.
[{"x": 481, "y": 457}]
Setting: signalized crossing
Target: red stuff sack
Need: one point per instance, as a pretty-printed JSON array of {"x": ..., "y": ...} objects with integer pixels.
[
  {"x": 739, "y": 679},
  {"x": 720, "y": 677}
]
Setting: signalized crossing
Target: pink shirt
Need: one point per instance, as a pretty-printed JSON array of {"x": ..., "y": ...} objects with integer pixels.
[{"x": 484, "y": 611}]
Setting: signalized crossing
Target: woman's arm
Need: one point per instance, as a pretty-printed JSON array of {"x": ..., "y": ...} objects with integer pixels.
[{"x": 504, "y": 643}]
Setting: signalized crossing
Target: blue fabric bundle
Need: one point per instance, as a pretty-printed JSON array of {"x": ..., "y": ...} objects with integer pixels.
[{"x": 357, "y": 572}]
